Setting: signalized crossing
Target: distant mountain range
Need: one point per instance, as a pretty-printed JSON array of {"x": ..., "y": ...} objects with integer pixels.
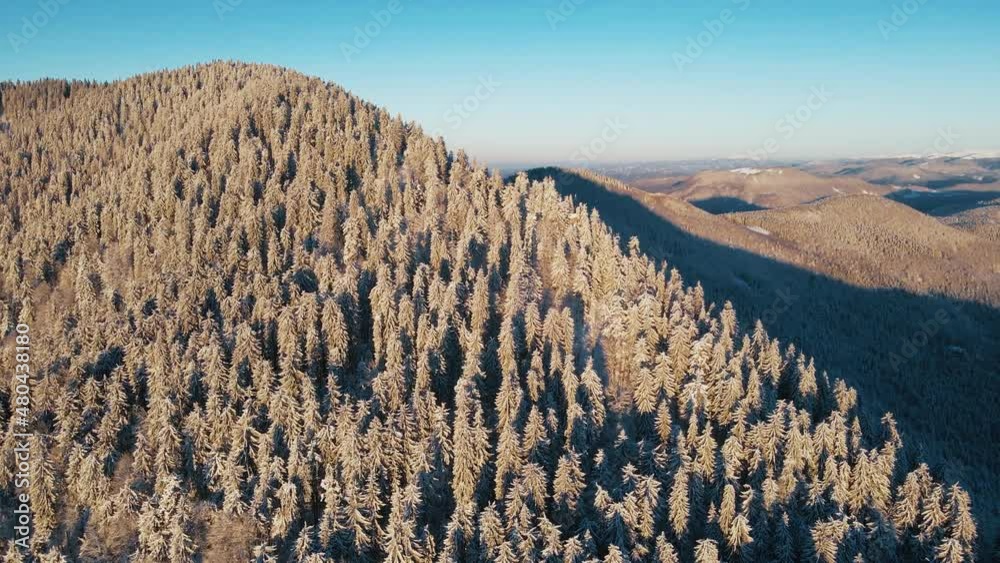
[{"x": 959, "y": 189}]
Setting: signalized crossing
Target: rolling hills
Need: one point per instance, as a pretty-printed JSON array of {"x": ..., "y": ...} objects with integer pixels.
[
  {"x": 933, "y": 172},
  {"x": 745, "y": 189},
  {"x": 949, "y": 188}
]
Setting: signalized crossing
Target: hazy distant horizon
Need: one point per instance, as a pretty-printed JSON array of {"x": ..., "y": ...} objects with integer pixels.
[{"x": 598, "y": 165}]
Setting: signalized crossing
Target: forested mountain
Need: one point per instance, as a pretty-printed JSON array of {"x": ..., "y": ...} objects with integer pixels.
[{"x": 271, "y": 322}]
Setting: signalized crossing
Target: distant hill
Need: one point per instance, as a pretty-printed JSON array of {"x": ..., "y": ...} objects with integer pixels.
[
  {"x": 746, "y": 189},
  {"x": 983, "y": 220},
  {"x": 875, "y": 242}
]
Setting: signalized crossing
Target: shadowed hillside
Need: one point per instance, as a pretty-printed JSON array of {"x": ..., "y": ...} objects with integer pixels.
[
  {"x": 945, "y": 393},
  {"x": 943, "y": 204}
]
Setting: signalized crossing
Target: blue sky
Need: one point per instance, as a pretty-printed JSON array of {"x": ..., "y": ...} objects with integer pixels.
[{"x": 543, "y": 80}]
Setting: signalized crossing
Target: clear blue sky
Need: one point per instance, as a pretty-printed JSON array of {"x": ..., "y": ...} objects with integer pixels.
[{"x": 558, "y": 78}]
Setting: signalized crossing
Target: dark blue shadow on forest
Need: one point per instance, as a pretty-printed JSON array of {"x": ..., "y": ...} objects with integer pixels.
[
  {"x": 719, "y": 205},
  {"x": 939, "y": 204}
]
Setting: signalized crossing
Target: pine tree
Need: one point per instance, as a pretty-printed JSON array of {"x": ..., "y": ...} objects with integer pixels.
[
  {"x": 706, "y": 551},
  {"x": 401, "y": 541},
  {"x": 679, "y": 502},
  {"x": 568, "y": 485}
]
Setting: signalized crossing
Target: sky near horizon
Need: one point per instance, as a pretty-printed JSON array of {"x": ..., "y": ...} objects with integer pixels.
[{"x": 580, "y": 81}]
